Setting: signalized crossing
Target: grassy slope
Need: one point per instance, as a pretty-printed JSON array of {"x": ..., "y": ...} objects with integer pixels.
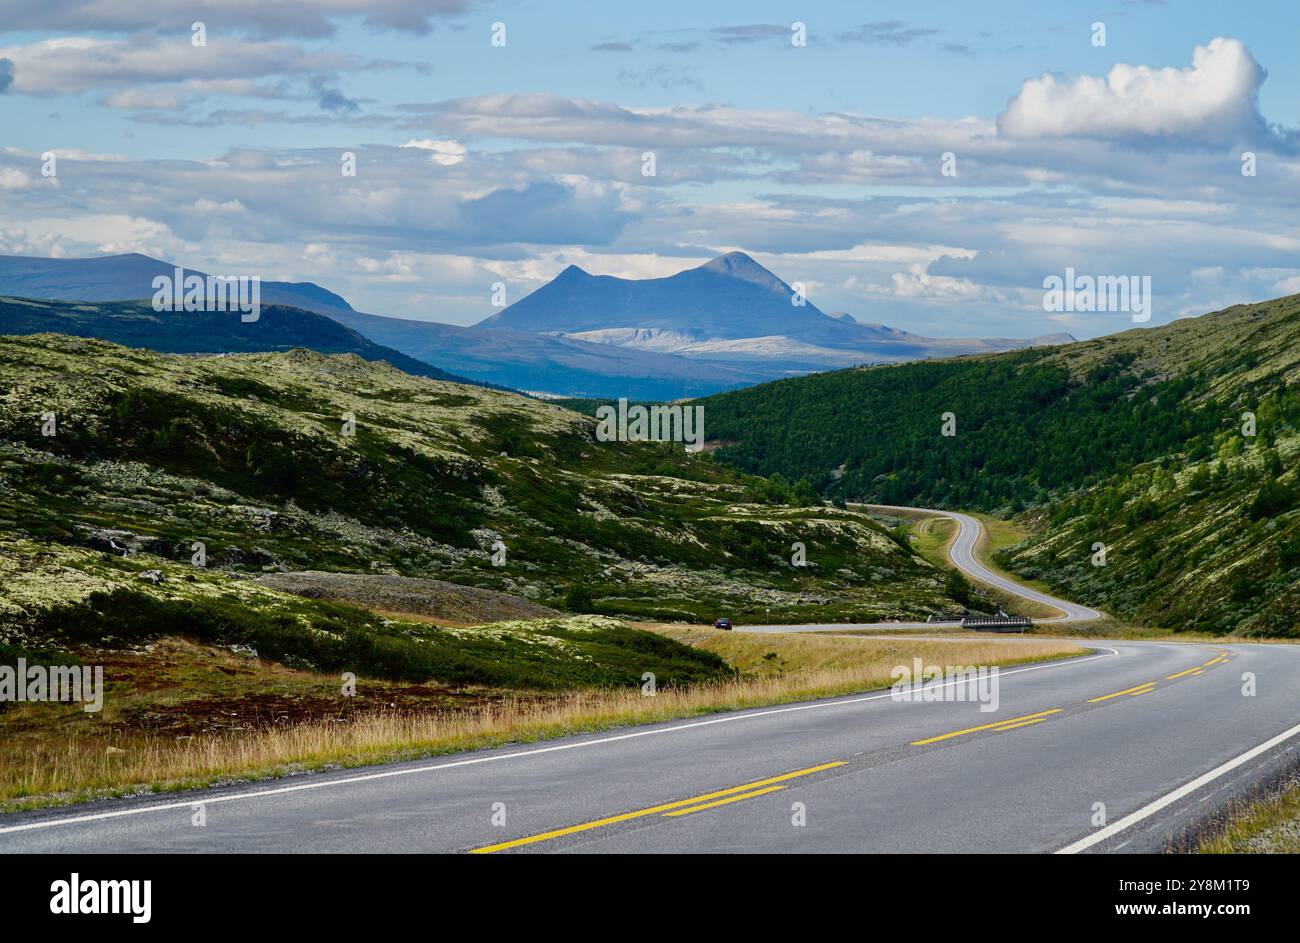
[
  {"x": 1178, "y": 556},
  {"x": 245, "y": 453},
  {"x": 1183, "y": 552},
  {"x": 1270, "y": 826},
  {"x": 86, "y": 604}
]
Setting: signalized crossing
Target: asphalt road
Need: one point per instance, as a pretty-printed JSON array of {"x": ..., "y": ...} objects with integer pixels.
[
  {"x": 1127, "y": 727},
  {"x": 962, "y": 553},
  {"x": 1119, "y": 750}
]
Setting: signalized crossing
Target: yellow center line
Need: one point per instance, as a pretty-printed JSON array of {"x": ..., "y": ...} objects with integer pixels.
[
  {"x": 1024, "y": 723},
  {"x": 1141, "y": 688},
  {"x": 726, "y": 801},
  {"x": 640, "y": 813},
  {"x": 1190, "y": 671},
  {"x": 1000, "y": 725}
]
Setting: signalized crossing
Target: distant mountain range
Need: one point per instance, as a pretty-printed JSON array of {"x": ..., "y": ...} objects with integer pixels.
[
  {"x": 130, "y": 278},
  {"x": 726, "y": 324},
  {"x": 503, "y": 358},
  {"x": 730, "y": 310},
  {"x": 135, "y": 324}
]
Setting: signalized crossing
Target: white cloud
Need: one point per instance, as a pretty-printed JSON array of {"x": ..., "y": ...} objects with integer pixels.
[
  {"x": 1213, "y": 101},
  {"x": 447, "y": 153},
  {"x": 14, "y": 240},
  {"x": 106, "y": 233},
  {"x": 11, "y": 179},
  {"x": 72, "y": 64},
  {"x": 916, "y": 283}
]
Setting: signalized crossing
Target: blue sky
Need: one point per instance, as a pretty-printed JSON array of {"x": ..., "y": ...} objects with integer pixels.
[{"x": 478, "y": 164}]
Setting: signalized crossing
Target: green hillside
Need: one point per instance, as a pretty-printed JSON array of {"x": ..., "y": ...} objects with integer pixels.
[
  {"x": 248, "y": 454},
  {"x": 1212, "y": 545},
  {"x": 1133, "y": 440}
]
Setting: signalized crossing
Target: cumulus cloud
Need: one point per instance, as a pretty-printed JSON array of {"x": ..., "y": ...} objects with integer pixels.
[
  {"x": 916, "y": 282},
  {"x": 447, "y": 153},
  {"x": 589, "y": 214},
  {"x": 12, "y": 179},
  {"x": 1213, "y": 101},
  {"x": 14, "y": 240}
]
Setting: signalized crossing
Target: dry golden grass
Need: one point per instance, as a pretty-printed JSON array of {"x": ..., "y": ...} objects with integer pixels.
[
  {"x": 48, "y": 772},
  {"x": 872, "y": 656}
]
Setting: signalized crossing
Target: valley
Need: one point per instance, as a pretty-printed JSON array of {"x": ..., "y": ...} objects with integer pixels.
[{"x": 1154, "y": 470}]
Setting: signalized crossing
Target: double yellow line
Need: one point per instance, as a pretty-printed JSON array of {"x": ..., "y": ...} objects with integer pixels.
[
  {"x": 763, "y": 787},
  {"x": 1009, "y": 724},
  {"x": 1029, "y": 719},
  {"x": 709, "y": 800},
  {"x": 1150, "y": 686},
  {"x": 1135, "y": 691}
]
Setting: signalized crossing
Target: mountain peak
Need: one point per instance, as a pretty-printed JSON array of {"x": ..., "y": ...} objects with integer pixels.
[
  {"x": 735, "y": 263},
  {"x": 741, "y": 266}
]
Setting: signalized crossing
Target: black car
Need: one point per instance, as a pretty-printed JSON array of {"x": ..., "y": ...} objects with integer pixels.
[{"x": 722, "y": 624}]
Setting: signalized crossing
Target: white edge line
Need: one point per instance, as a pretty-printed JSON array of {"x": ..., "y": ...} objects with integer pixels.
[
  {"x": 1164, "y": 801},
  {"x": 367, "y": 777}
]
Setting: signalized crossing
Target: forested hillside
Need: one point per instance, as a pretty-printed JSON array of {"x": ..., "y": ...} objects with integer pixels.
[
  {"x": 1023, "y": 428},
  {"x": 1027, "y": 424},
  {"x": 1175, "y": 447}
]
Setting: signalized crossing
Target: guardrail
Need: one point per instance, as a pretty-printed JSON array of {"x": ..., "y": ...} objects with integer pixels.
[{"x": 1009, "y": 624}]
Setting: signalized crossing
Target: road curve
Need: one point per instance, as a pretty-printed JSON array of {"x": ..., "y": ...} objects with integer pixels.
[{"x": 962, "y": 554}]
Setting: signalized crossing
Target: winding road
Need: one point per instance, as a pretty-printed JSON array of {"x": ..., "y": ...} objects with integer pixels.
[
  {"x": 962, "y": 554},
  {"x": 1123, "y": 749}
]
